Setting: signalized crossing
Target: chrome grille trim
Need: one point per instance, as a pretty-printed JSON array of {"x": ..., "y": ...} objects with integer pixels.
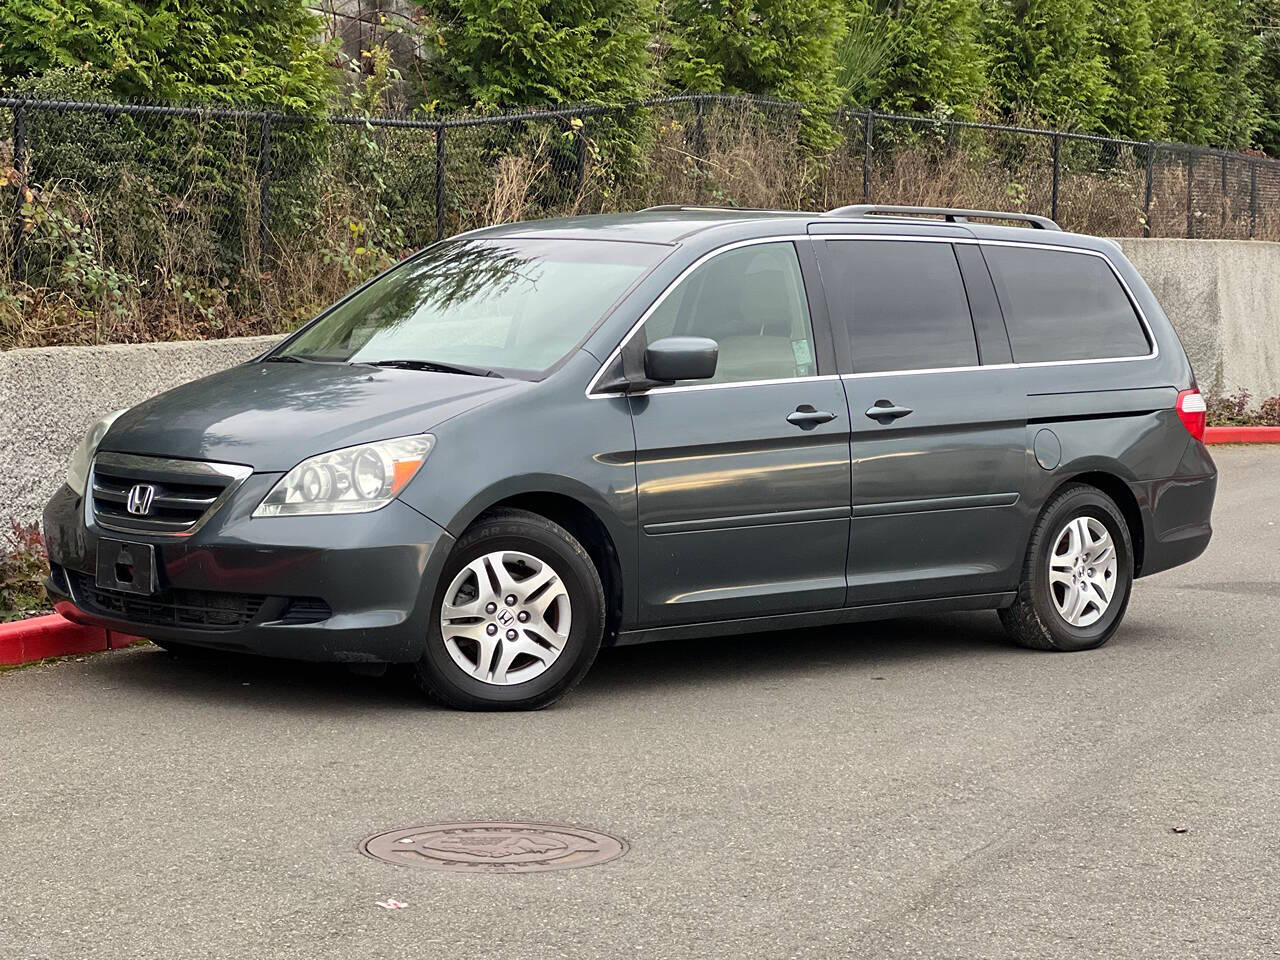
[{"x": 120, "y": 470}]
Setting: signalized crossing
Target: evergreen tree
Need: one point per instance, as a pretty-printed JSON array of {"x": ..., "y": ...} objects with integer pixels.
[
  {"x": 1208, "y": 54},
  {"x": 508, "y": 54},
  {"x": 1047, "y": 61},
  {"x": 241, "y": 51},
  {"x": 932, "y": 60},
  {"x": 780, "y": 48},
  {"x": 1239, "y": 77},
  {"x": 1139, "y": 106},
  {"x": 1265, "y": 18}
]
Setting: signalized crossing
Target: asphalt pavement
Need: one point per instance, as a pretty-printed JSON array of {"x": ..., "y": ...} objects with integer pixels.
[{"x": 915, "y": 788}]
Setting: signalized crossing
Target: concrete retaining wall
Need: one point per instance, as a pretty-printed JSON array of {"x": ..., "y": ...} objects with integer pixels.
[
  {"x": 50, "y": 395},
  {"x": 1222, "y": 295}
]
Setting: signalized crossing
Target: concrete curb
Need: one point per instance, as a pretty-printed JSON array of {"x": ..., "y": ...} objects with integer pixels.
[
  {"x": 1242, "y": 435},
  {"x": 36, "y": 638}
]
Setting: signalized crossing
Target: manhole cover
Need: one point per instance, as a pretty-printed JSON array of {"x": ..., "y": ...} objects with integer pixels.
[{"x": 485, "y": 847}]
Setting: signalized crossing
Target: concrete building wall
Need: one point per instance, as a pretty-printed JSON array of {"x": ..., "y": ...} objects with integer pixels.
[{"x": 1222, "y": 295}]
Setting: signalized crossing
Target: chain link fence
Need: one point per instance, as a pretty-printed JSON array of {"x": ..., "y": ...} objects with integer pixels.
[{"x": 125, "y": 222}]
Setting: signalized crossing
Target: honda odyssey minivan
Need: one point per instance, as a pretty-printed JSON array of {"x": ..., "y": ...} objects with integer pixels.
[{"x": 532, "y": 440}]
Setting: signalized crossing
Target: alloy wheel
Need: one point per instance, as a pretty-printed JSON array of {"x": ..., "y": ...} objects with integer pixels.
[
  {"x": 1082, "y": 571},
  {"x": 505, "y": 617}
]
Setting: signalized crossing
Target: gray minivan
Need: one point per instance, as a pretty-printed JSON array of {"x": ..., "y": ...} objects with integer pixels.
[{"x": 532, "y": 440}]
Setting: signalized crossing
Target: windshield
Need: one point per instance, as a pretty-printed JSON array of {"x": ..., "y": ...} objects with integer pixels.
[{"x": 512, "y": 305}]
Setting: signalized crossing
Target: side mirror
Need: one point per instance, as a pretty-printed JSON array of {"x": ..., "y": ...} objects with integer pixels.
[{"x": 681, "y": 358}]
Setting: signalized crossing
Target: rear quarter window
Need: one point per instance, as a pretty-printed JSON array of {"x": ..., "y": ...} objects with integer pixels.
[{"x": 1063, "y": 306}]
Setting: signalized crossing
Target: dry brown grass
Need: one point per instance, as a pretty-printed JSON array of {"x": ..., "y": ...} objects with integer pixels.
[
  {"x": 128, "y": 262},
  {"x": 515, "y": 180}
]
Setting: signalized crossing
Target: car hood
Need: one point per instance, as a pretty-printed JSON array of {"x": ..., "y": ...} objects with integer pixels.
[{"x": 273, "y": 415}]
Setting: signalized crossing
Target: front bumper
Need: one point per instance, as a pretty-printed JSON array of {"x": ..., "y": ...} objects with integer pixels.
[{"x": 354, "y": 588}]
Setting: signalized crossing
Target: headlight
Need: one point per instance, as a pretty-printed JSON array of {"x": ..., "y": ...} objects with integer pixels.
[
  {"x": 352, "y": 480},
  {"x": 82, "y": 456}
]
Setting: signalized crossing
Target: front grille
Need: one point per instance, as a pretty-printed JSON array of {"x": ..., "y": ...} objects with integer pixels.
[
  {"x": 197, "y": 609},
  {"x": 182, "y": 494}
]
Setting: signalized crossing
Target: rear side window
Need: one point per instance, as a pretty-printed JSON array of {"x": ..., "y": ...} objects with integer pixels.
[
  {"x": 903, "y": 302},
  {"x": 1063, "y": 306}
]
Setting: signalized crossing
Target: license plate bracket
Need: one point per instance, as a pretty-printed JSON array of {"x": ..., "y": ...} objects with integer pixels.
[{"x": 126, "y": 566}]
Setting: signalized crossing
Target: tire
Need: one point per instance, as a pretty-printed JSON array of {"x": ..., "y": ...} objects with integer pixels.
[
  {"x": 470, "y": 663},
  {"x": 1042, "y": 615}
]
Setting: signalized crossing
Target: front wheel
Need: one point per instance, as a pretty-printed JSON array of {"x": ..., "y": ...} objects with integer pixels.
[
  {"x": 518, "y": 618},
  {"x": 1077, "y": 575}
]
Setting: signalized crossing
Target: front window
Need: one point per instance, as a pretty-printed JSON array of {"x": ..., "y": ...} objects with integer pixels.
[
  {"x": 751, "y": 302},
  {"x": 513, "y": 306}
]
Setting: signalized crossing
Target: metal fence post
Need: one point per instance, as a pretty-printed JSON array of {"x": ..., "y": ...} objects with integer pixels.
[
  {"x": 1146, "y": 203},
  {"x": 264, "y": 190},
  {"x": 1057, "y": 172},
  {"x": 1253, "y": 198},
  {"x": 440, "y": 197},
  {"x": 699, "y": 147},
  {"x": 867, "y": 134},
  {"x": 20, "y": 165},
  {"x": 582, "y": 154}
]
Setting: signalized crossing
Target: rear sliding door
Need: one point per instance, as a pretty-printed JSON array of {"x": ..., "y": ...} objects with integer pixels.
[{"x": 937, "y": 419}]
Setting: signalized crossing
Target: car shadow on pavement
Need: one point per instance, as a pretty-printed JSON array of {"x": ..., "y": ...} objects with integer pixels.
[
  {"x": 217, "y": 677},
  {"x": 847, "y": 647},
  {"x": 283, "y": 685}
]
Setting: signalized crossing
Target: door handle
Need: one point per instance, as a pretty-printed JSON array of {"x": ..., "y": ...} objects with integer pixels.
[
  {"x": 887, "y": 412},
  {"x": 806, "y": 417}
]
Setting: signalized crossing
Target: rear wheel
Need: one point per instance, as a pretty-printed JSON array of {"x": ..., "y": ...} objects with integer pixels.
[
  {"x": 518, "y": 619},
  {"x": 1077, "y": 574}
]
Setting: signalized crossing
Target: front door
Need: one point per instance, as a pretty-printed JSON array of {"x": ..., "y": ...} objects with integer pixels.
[
  {"x": 743, "y": 480},
  {"x": 937, "y": 421}
]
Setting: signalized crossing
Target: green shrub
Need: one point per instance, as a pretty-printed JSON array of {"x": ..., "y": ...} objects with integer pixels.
[
  {"x": 1237, "y": 410},
  {"x": 1228, "y": 410},
  {"x": 23, "y": 569},
  {"x": 1269, "y": 412}
]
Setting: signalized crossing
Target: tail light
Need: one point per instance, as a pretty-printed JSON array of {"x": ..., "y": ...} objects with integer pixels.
[{"x": 1191, "y": 411}]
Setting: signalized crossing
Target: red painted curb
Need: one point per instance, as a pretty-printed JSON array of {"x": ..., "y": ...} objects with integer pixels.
[
  {"x": 36, "y": 638},
  {"x": 1242, "y": 435}
]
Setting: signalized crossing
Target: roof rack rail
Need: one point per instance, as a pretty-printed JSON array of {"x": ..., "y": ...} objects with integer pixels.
[
  {"x": 717, "y": 208},
  {"x": 949, "y": 214}
]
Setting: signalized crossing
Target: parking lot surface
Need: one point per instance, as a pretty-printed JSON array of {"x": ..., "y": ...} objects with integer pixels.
[{"x": 915, "y": 788}]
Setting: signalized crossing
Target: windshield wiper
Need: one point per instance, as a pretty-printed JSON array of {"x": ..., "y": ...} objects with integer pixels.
[
  {"x": 295, "y": 358},
  {"x": 432, "y": 366}
]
